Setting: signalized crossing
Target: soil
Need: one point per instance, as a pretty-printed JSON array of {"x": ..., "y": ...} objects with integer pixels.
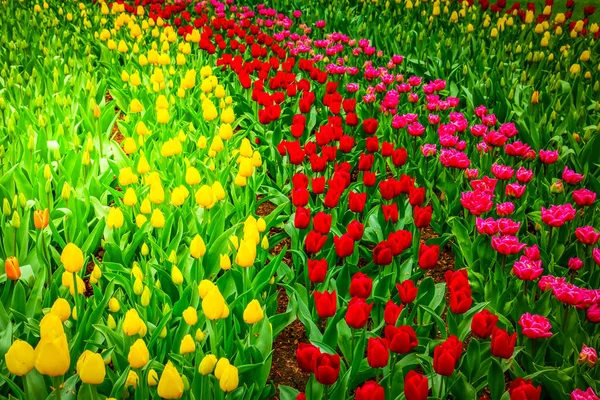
[
  {"x": 446, "y": 260},
  {"x": 88, "y": 270},
  {"x": 285, "y": 370}
]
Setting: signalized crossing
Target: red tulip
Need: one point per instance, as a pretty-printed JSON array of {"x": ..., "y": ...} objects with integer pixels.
[
  {"x": 377, "y": 352},
  {"x": 356, "y": 230},
  {"x": 302, "y": 218},
  {"x": 300, "y": 181},
  {"x": 390, "y": 212},
  {"x": 370, "y": 126},
  {"x": 399, "y": 157},
  {"x": 483, "y": 324},
  {"x": 344, "y": 245},
  {"x": 356, "y": 201},
  {"x": 326, "y": 303},
  {"x": 443, "y": 361},
  {"x": 399, "y": 241},
  {"x": 314, "y": 242},
  {"x": 322, "y": 223},
  {"x": 326, "y": 368},
  {"x": 300, "y": 197},
  {"x": 358, "y": 313},
  {"x": 317, "y": 270},
  {"x": 361, "y": 285},
  {"x": 416, "y": 386},
  {"x": 407, "y": 291},
  {"x": 522, "y": 389},
  {"x": 416, "y": 196},
  {"x": 502, "y": 344},
  {"x": 318, "y": 185},
  {"x": 428, "y": 256},
  {"x": 382, "y": 254},
  {"x": 422, "y": 216},
  {"x": 304, "y": 355},
  {"x": 392, "y": 312},
  {"x": 370, "y": 390},
  {"x": 401, "y": 339},
  {"x": 369, "y": 179}
]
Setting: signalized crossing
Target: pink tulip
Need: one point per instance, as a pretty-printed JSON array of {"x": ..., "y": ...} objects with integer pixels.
[
  {"x": 527, "y": 269},
  {"x": 477, "y": 202},
  {"x": 533, "y": 252},
  {"x": 508, "y": 227},
  {"x": 535, "y": 326},
  {"x": 584, "y": 197},
  {"x": 502, "y": 172},
  {"x": 575, "y": 263},
  {"x": 596, "y": 256},
  {"x": 587, "y": 235},
  {"x": 556, "y": 216},
  {"x": 507, "y": 244},
  {"x": 488, "y": 226},
  {"x": 579, "y": 394},
  {"x": 484, "y": 184},
  {"x": 451, "y": 158},
  {"x": 505, "y": 209},
  {"x": 549, "y": 156},
  {"x": 571, "y": 177},
  {"x": 588, "y": 356},
  {"x": 524, "y": 175},
  {"x": 515, "y": 190},
  {"x": 593, "y": 314}
]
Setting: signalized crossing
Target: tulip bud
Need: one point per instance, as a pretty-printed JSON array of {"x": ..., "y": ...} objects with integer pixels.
[
  {"x": 15, "y": 221},
  {"x": 12, "y": 269},
  {"x": 6, "y": 209},
  {"x": 535, "y": 97},
  {"x": 557, "y": 187}
]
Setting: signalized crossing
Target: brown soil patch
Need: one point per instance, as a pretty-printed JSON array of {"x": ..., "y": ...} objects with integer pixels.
[
  {"x": 88, "y": 270},
  {"x": 264, "y": 208},
  {"x": 285, "y": 370},
  {"x": 446, "y": 260}
]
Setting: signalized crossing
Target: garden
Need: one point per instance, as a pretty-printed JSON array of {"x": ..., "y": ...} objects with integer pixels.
[{"x": 297, "y": 200}]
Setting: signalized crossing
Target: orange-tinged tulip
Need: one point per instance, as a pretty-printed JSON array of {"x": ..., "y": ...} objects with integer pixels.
[
  {"x": 41, "y": 219},
  {"x": 13, "y": 271}
]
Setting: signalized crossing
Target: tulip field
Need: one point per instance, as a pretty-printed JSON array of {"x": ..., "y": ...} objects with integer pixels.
[{"x": 341, "y": 199}]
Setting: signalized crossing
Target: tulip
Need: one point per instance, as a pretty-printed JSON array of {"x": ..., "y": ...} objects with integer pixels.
[
  {"x": 41, "y": 219},
  {"x": 187, "y": 345},
  {"x": 170, "y": 385},
  {"x": 190, "y": 316},
  {"x": 401, "y": 339},
  {"x": 72, "y": 258},
  {"x": 483, "y": 324},
  {"x": 416, "y": 386},
  {"x": 52, "y": 356},
  {"x": 152, "y": 378},
  {"x": 344, "y": 245},
  {"x": 246, "y": 254},
  {"x": 207, "y": 365},
  {"x": 220, "y": 367},
  {"x": 91, "y": 368},
  {"x": 407, "y": 291},
  {"x": 588, "y": 356},
  {"x": 20, "y": 358},
  {"x": 326, "y": 368},
  {"x": 229, "y": 379},
  {"x": 213, "y": 304},
  {"x": 132, "y": 323},
  {"x": 377, "y": 352},
  {"x": 12, "y": 269},
  {"x": 253, "y": 312},
  {"x": 523, "y": 389},
  {"x": 358, "y": 312},
  {"x": 138, "y": 354},
  {"x": 361, "y": 285},
  {"x": 502, "y": 344},
  {"x": 428, "y": 256},
  {"x": 326, "y": 303},
  {"x": 535, "y": 326},
  {"x": 370, "y": 390},
  {"x": 61, "y": 309},
  {"x": 317, "y": 270}
]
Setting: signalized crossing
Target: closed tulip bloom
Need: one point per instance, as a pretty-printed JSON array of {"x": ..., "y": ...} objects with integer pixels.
[
  {"x": 204, "y": 196},
  {"x": 326, "y": 368},
  {"x": 207, "y": 365},
  {"x": 41, "y": 219},
  {"x": 187, "y": 345},
  {"x": 370, "y": 390},
  {"x": 522, "y": 389},
  {"x": 138, "y": 354},
  {"x": 52, "y": 356},
  {"x": 170, "y": 385},
  {"x": 197, "y": 247},
  {"x": 253, "y": 312},
  {"x": 377, "y": 352},
  {"x": 229, "y": 379},
  {"x": 392, "y": 312},
  {"x": 358, "y": 313},
  {"x": 61, "y": 309},
  {"x": 503, "y": 344},
  {"x": 20, "y": 358},
  {"x": 12, "y": 269},
  {"x": 152, "y": 378},
  {"x": 115, "y": 218},
  {"x": 416, "y": 386},
  {"x": 72, "y": 258},
  {"x": 132, "y": 323},
  {"x": 213, "y": 305},
  {"x": 304, "y": 355},
  {"x": 326, "y": 303},
  {"x": 246, "y": 254},
  {"x": 402, "y": 339},
  {"x": 176, "y": 275},
  {"x": 91, "y": 368},
  {"x": 190, "y": 316},
  {"x": 407, "y": 291},
  {"x": 204, "y": 287},
  {"x": 222, "y": 364},
  {"x": 483, "y": 324}
]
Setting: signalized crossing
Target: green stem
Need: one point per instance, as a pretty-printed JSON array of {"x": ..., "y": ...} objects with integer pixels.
[
  {"x": 57, "y": 385},
  {"x": 49, "y": 266}
]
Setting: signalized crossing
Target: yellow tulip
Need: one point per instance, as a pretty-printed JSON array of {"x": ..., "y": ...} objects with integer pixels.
[
  {"x": 220, "y": 367},
  {"x": 157, "y": 219},
  {"x": 132, "y": 323},
  {"x": 72, "y": 258},
  {"x": 176, "y": 276},
  {"x": 585, "y": 56},
  {"x": 575, "y": 69},
  {"x": 190, "y": 315},
  {"x": 115, "y": 218},
  {"x": 204, "y": 196},
  {"x": 207, "y": 365},
  {"x": 132, "y": 379},
  {"x": 135, "y": 106},
  {"x": 204, "y": 287},
  {"x": 130, "y": 199},
  {"x": 246, "y": 254},
  {"x": 170, "y": 385},
  {"x": 218, "y": 190},
  {"x": 91, "y": 368},
  {"x": 187, "y": 345},
  {"x": 157, "y": 193},
  {"x": 213, "y": 304},
  {"x": 20, "y": 358},
  {"x": 224, "y": 262},
  {"x": 197, "y": 247},
  {"x": 52, "y": 356},
  {"x": 227, "y": 116},
  {"x": 61, "y": 309},
  {"x": 127, "y": 177},
  {"x": 199, "y": 335},
  {"x": 152, "y": 378},
  {"x": 253, "y": 312},
  {"x": 229, "y": 379},
  {"x": 113, "y": 305},
  {"x": 138, "y": 354}
]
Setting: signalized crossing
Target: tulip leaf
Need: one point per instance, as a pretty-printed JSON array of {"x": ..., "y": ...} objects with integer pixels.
[
  {"x": 495, "y": 379},
  {"x": 438, "y": 320},
  {"x": 287, "y": 393}
]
